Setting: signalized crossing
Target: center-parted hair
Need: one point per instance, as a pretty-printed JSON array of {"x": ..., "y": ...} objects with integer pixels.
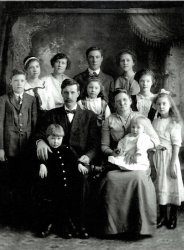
[
  {"x": 94, "y": 79},
  {"x": 139, "y": 74},
  {"x": 173, "y": 111},
  {"x": 55, "y": 130},
  {"x": 126, "y": 51}
]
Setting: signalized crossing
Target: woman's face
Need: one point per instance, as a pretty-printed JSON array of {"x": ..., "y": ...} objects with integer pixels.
[
  {"x": 33, "y": 70},
  {"x": 122, "y": 102},
  {"x": 145, "y": 83},
  {"x": 126, "y": 62},
  {"x": 60, "y": 66}
]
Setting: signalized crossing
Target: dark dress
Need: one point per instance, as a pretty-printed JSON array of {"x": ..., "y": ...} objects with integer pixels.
[{"x": 128, "y": 198}]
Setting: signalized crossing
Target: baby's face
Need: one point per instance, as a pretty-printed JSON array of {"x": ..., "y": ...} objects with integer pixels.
[
  {"x": 55, "y": 141},
  {"x": 137, "y": 128}
]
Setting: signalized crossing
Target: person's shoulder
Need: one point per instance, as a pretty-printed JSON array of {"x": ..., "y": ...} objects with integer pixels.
[
  {"x": 81, "y": 74},
  {"x": 4, "y": 97},
  {"x": 46, "y": 78},
  {"x": 58, "y": 110},
  {"x": 106, "y": 76},
  {"x": 28, "y": 97}
]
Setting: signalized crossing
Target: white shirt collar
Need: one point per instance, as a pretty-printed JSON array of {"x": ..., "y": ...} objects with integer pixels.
[
  {"x": 75, "y": 107},
  {"x": 17, "y": 95},
  {"x": 92, "y": 71}
]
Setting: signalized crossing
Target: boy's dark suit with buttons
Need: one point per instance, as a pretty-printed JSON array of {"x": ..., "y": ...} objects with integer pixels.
[{"x": 58, "y": 188}]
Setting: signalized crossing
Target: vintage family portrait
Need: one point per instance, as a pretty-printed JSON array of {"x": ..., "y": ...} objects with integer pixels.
[{"x": 91, "y": 125}]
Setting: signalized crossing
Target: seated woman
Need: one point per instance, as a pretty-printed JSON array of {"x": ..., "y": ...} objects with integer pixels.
[
  {"x": 60, "y": 62},
  {"x": 126, "y": 60},
  {"x": 128, "y": 197},
  {"x": 144, "y": 100}
]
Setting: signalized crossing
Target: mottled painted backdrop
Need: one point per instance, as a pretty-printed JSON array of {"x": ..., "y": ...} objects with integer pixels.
[{"x": 44, "y": 35}]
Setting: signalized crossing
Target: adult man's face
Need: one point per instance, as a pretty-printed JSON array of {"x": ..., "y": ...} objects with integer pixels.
[
  {"x": 70, "y": 95},
  {"x": 94, "y": 59}
]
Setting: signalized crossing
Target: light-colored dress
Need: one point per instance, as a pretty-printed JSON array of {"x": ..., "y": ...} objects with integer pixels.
[
  {"x": 170, "y": 190},
  {"x": 53, "y": 90},
  {"x": 133, "y": 145},
  {"x": 144, "y": 104},
  {"x": 39, "y": 91},
  {"x": 98, "y": 106}
]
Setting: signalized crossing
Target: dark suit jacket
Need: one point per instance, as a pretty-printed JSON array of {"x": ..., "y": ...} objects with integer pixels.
[
  {"x": 83, "y": 137},
  {"x": 107, "y": 82},
  {"x": 17, "y": 123}
]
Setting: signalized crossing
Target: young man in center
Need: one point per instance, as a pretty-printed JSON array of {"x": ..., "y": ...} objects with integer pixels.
[{"x": 94, "y": 56}]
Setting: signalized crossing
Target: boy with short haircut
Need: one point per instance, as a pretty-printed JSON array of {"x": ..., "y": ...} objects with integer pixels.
[
  {"x": 57, "y": 185},
  {"x": 18, "y": 116}
]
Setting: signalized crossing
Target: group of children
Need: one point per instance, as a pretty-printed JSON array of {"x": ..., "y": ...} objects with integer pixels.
[{"x": 18, "y": 117}]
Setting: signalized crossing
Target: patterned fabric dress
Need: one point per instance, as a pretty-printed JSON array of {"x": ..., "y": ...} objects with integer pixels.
[
  {"x": 170, "y": 190},
  {"x": 98, "y": 106},
  {"x": 144, "y": 104}
]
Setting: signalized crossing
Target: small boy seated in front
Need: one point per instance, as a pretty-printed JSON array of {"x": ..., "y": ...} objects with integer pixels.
[{"x": 57, "y": 186}]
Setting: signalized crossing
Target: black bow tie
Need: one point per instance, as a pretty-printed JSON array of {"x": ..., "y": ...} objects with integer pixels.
[
  {"x": 70, "y": 111},
  {"x": 94, "y": 74}
]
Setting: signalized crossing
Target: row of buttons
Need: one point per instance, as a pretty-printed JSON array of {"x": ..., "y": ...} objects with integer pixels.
[{"x": 62, "y": 164}]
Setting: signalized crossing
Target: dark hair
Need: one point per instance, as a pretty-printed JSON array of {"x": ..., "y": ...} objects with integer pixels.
[
  {"x": 126, "y": 51},
  {"x": 92, "y": 49},
  {"x": 120, "y": 90},
  {"x": 17, "y": 72},
  {"x": 55, "y": 130},
  {"x": 97, "y": 79},
  {"x": 28, "y": 60},
  {"x": 60, "y": 56},
  {"x": 143, "y": 72},
  {"x": 69, "y": 82}
]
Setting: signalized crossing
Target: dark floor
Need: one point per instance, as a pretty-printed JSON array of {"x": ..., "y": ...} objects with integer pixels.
[{"x": 163, "y": 239}]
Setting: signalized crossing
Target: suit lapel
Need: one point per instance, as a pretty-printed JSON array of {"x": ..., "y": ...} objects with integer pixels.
[
  {"x": 76, "y": 120},
  {"x": 101, "y": 76},
  {"x": 13, "y": 101}
]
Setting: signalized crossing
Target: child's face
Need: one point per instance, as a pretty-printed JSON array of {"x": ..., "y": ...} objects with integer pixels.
[
  {"x": 137, "y": 128},
  {"x": 93, "y": 89},
  {"x": 145, "y": 82},
  {"x": 18, "y": 83},
  {"x": 126, "y": 62},
  {"x": 60, "y": 66},
  {"x": 163, "y": 106},
  {"x": 33, "y": 69},
  {"x": 55, "y": 141}
]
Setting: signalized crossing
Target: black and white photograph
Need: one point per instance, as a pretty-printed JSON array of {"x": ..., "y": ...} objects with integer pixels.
[{"x": 91, "y": 125}]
